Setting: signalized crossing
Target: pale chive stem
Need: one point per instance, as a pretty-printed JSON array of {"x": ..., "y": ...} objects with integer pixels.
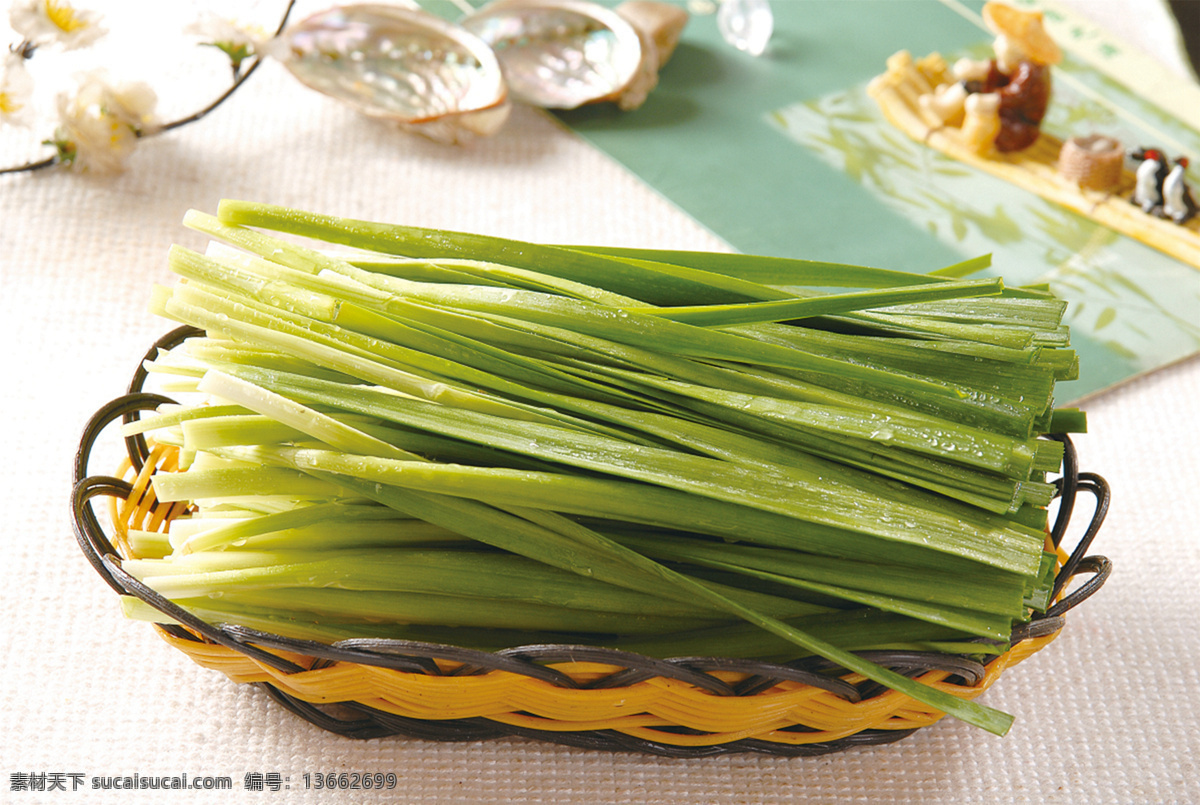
[
  {"x": 874, "y": 322},
  {"x": 544, "y": 401},
  {"x": 1037, "y": 314},
  {"x": 998, "y": 593},
  {"x": 856, "y": 630},
  {"x": 975, "y": 409},
  {"x": 355, "y": 534},
  {"x": 463, "y": 574},
  {"x": 577, "y": 314},
  {"x": 148, "y": 543},
  {"x": 320, "y": 426},
  {"x": 909, "y": 356},
  {"x": 671, "y": 337},
  {"x": 339, "y": 360},
  {"x": 956, "y": 443},
  {"x": 654, "y": 505},
  {"x": 418, "y": 270},
  {"x": 213, "y": 352},
  {"x": 965, "y": 268},
  {"x": 276, "y": 250},
  {"x": 241, "y": 281},
  {"x": 777, "y": 447},
  {"x": 631, "y": 565},
  {"x": 995, "y": 493},
  {"x": 525, "y": 279},
  {"x": 251, "y": 429},
  {"x": 773, "y": 271},
  {"x": 401, "y": 311},
  {"x": 733, "y": 315},
  {"x": 573, "y": 558},
  {"x": 371, "y": 352},
  {"x": 462, "y": 611},
  {"x": 818, "y": 342},
  {"x": 206, "y": 433},
  {"x": 167, "y": 416},
  {"x": 422, "y": 568},
  {"x": 187, "y": 565},
  {"x": 736, "y": 375},
  {"x": 282, "y": 623},
  {"x": 449, "y": 450},
  {"x": 217, "y": 483},
  {"x": 787, "y": 496},
  {"x": 391, "y": 303},
  {"x": 651, "y": 284},
  {"x": 304, "y": 516}
]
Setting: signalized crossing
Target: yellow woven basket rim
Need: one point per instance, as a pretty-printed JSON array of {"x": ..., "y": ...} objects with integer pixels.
[{"x": 656, "y": 710}]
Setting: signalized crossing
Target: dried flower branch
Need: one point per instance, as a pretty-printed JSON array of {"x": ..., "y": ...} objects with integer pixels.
[
  {"x": 100, "y": 124},
  {"x": 16, "y": 91},
  {"x": 46, "y": 22},
  {"x": 238, "y": 42}
]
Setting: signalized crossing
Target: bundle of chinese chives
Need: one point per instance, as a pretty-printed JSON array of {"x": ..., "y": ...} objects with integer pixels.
[{"x": 425, "y": 433}]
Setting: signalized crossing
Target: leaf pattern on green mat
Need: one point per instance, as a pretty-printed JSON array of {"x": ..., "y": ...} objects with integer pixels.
[{"x": 1131, "y": 301}]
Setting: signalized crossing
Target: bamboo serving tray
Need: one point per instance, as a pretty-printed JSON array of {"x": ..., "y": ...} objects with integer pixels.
[{"x": 1034, "y": 169}]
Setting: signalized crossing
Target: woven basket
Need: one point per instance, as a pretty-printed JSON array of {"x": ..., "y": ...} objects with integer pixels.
[{"x": 577, "y": 695}]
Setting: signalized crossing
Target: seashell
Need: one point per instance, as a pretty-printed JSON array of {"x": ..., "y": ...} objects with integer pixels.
[
  {"x": 562, "y": 54},
  {"x": 407, "y": 66},
  {"x": 662, "y": 23}
]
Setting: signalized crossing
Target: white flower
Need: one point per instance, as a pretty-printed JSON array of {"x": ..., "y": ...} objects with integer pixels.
[
  {"x": 237, "y": 41},
  {"x": 16, "y": 91},
  {"x": 100, "y": 124},
  {"x": 44, "y": 22}
]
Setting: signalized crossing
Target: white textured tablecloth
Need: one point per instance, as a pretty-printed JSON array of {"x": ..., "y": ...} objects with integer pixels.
[{"x": 1109, "y": 713}]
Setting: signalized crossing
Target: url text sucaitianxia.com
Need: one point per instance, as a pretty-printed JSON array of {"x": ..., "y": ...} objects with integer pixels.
[{"x": 42, "y": 781}]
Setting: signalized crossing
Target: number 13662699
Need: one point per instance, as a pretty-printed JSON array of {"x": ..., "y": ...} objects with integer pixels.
[{"x": 349, "y": 780}]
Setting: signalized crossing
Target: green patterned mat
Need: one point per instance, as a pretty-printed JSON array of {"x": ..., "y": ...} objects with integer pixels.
[{"x": 785, "y": 154}]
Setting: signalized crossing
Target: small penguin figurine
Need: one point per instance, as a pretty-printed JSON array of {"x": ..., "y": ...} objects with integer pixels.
[
  {"x": 1178, "y": 203},
  {"x": 1151, "y": 174}
]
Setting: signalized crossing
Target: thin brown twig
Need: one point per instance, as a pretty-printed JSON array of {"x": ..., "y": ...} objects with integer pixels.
[{"x": 174, "y": 124}]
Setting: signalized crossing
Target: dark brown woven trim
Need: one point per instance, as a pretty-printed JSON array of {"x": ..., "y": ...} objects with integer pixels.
[
  {"x": 136, "y": 445},
  {"x": 364, "y": 723}
]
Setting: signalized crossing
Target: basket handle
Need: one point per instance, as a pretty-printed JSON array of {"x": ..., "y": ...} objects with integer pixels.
[{"x": 1069, "y": 485}]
